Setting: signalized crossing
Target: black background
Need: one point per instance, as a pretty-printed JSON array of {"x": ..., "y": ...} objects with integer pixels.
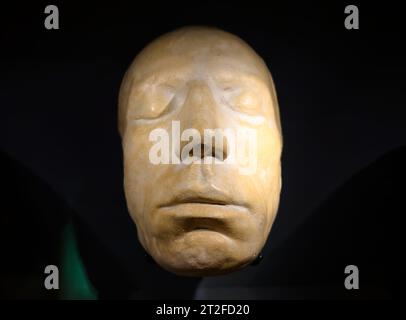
[{"x": 341, "y": 96}]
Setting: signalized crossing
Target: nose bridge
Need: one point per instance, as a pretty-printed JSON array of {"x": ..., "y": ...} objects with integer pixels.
[
  {"x": 200, "y": 108},
  {"x": 200, "y": 111}
]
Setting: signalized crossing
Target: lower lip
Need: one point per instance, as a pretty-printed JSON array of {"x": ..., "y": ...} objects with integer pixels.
[
  {"x": 203, "y": 230},
  {"x": 199, "y": 234},
  {"x": 203, "y": 219},
  {"x": 206, "y": 210},
  {"x": 208, "y": 205}
]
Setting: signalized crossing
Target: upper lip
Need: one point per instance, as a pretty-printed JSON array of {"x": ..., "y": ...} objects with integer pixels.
[{"x": 211, "y": 197}]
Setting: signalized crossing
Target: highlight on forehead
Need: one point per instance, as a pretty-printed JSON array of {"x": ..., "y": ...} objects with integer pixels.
[
  {"x": 193, "y": 43},
  {"x": 192, "y": 40},
  {"x": 197, "y": 44}
]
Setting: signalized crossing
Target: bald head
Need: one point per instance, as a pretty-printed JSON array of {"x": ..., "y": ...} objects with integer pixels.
[{"x": 195, "y": 53}]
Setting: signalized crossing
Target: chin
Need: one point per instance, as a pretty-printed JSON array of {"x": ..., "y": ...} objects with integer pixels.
[{"x": 203, "y": 253}]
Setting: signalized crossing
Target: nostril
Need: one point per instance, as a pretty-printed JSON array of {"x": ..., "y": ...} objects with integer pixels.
[
  {"x": 198, "y": 152},
  {"x": 209, "y": 151},
  {"x": 219, "y": 153}
]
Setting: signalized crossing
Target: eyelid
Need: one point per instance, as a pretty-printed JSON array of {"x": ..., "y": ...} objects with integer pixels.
[
  {"x": 234, "y": 102},
  {"x": 164, "y": 105},
  {"x": 145, "y": 117}
]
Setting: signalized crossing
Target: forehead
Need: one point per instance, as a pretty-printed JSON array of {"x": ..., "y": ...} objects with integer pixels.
[{"x": 199, "y": 52}]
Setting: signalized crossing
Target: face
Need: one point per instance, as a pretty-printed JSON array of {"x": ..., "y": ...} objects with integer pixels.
[{"x": 203, "y": 205}]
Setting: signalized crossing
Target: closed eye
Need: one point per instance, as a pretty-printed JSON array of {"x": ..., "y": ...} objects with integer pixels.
[{"x": 152, "y": 103}]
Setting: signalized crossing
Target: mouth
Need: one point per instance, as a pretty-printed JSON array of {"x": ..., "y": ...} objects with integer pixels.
[
  {"x": 201, "y": 200},
  {"x": 208, "y": 198},
  {"x": 205, "y": 212}
]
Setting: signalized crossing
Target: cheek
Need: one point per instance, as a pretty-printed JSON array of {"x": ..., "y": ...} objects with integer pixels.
[
  {"x": 137, "y": 170},
  {"x": 269, "y": 148},
  {"x": 136, "y": 146},
  {"x": 268, "y": 172}
]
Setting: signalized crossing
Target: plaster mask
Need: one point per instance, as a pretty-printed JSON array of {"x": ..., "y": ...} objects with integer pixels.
[{"x": 202, "y": 142}]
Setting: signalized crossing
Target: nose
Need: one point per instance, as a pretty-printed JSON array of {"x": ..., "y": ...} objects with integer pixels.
[{"x": 201, "y": 112}]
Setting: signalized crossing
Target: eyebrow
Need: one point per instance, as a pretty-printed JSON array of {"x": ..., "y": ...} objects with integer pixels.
[
  {"x": 240, "y": 78},
  {"x": 242, "y": 66},
  {"x": 228, "y": 73}
]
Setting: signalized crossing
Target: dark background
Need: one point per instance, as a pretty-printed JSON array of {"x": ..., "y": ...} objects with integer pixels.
[{"x": 341, "y": 96}]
